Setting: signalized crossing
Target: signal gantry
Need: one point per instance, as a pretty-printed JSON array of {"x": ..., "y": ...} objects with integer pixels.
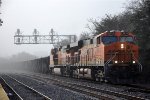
[{"x": 36, "y": 38}]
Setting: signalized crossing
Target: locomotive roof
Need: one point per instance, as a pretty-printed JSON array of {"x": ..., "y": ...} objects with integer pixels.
[
  {"x": 106, "y": 33},
  {"x": 114, "y": 33},
  {"x": 74, "y": 44}
]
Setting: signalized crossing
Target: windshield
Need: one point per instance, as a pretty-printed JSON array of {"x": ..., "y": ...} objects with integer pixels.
[
  {"x": 126, "y": 39},
  {"x": 109, "y": 39}
]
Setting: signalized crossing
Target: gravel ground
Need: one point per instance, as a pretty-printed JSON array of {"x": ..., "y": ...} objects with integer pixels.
[
  {"x": 117, "y": 88},
  {"x": 52, "y": 91}
]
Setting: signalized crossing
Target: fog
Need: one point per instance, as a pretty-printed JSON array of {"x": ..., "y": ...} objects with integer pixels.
[
  {"x": 64, "y": 16},
  {"x": 16, "y": 63}
]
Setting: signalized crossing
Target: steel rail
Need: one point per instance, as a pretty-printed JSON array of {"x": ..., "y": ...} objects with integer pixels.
[
  {"x": 69, "y": 84},
  {"x": 30, "y": 88},
  {"x": 75, "y": 88},
  {"x": 19, "y": 97}
]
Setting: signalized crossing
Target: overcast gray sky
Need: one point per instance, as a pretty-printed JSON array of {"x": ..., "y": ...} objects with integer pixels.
[{"x": 64, "y": 16}]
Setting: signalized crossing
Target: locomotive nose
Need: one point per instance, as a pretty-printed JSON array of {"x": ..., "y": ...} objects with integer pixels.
[{"x": 123, "y": 53}]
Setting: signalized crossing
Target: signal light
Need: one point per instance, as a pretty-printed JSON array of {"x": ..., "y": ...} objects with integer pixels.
[{"x": 122, "y": 46}]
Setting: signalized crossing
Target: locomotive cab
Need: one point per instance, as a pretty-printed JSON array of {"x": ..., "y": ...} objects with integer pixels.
[{"x": 120, "y": 56}]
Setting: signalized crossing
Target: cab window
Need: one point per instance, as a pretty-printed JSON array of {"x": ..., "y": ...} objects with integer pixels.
[
  {"x": 109, "y": 39},
  {"x": 126, "y": 39},
  {"x": 98, "y": 40}
]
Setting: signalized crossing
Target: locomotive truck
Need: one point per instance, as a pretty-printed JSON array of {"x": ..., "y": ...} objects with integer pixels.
[{"x": 111, "y": 56}]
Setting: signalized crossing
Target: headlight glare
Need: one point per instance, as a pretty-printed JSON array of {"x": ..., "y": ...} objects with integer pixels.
[
  {"x": 122, "y": 46},
  {"x": 116, "y": 62}
]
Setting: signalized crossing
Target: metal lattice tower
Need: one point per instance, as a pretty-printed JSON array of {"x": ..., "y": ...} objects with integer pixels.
[{"x": 36, "y": 38}]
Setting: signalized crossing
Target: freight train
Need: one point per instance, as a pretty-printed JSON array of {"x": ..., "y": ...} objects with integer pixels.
[{"x": 111, "y": 56}]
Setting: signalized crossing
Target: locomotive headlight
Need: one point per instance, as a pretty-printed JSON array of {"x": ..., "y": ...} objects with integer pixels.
[
  {"x": 133, "y": 62},
  {"x": 116, "y": 62},
  {"x": 122, "y": 46}
]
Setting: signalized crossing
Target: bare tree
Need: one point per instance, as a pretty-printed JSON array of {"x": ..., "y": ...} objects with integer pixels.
[
  {"x": 0, "y": 13},
  {"x": 64, "y": 42},
  {"x": 84, "y": 35}
]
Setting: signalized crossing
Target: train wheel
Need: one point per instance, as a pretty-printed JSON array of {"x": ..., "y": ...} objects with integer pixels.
[
  {"x": 75, "y": 75},
  {"x": 100, "y": 76},
  {"x": 51, "y": 70},
  {"x": 62, "y": 71},
  {"x": 97, "y": 79}
]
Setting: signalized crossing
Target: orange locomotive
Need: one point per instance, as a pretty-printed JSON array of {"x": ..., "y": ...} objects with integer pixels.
[{"x": 109, "y": 56}]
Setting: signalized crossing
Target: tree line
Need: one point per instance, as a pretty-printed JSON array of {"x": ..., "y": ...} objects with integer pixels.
[{"x": 0, "y": 13}]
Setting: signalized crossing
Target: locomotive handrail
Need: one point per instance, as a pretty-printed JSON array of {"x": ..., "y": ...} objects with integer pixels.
[
  {"x": 111, "y": 58},
  {"x": 140, "y": 65},
  {"x": 109, "y": 61}
]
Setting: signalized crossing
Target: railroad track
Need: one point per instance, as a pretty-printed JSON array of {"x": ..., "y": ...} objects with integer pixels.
[
  {"x": 11, "y": 93},
  {"x": 137, "y": 88},
  {"x": 24, "y": 91},
  {"x": 131, "y": 87},
  {"x": 92, "y": 91}
]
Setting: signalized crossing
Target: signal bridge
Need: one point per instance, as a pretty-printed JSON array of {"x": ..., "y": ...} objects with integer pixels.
[{"x": 52, "y": 38}]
